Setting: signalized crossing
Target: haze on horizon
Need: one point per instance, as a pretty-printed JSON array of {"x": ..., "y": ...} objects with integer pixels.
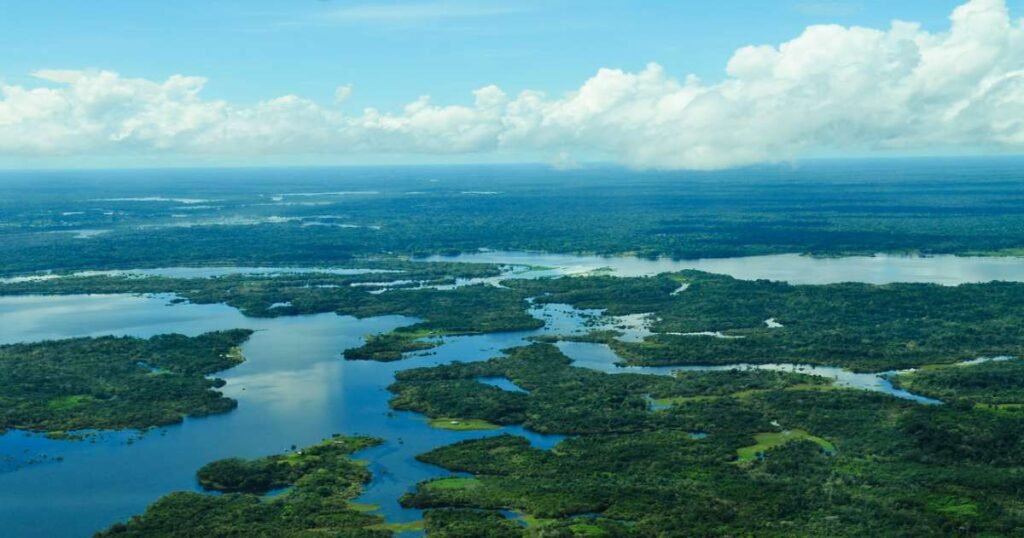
[{"x": 333, "y": 83}]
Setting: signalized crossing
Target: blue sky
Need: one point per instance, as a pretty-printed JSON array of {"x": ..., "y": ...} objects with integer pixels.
[{"x": 393, "y": 52}]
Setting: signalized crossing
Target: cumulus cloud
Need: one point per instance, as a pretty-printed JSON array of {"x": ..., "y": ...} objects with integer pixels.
[
  {"x": 831, "y": 89},
  {"x": 342, "y": 93}
]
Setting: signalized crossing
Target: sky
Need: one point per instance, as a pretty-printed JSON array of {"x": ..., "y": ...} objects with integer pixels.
[{"x": 649, "y": 84}]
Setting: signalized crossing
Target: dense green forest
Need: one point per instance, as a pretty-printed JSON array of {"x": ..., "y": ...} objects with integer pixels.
[
  {"x": 321, "y": 480},
  {"x": 894, "y": 468},
  {"x": 566, "y": 399},
  {"x": 249, "y": 217},
  {"x": 997, "y": 385},
  {"x": 859, "y": 326},
  {"x": 114, "y": 382}
]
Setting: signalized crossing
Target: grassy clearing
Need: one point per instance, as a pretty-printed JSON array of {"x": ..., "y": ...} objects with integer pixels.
[
  {"x": 68, "y": 402},
  {"x": 958, "y": 507},
  {"x": 532, "y": 521},
  {"x": 408, "y": 526},
  {"x": 458, "y": 424},
  {"x": 235, "y": 355},
  {"x": 453, "y": 483},
  {"x": 362, "y": 507},
  {"x": 1005, "y": 409},
  {"x": 769, "y": 440}
]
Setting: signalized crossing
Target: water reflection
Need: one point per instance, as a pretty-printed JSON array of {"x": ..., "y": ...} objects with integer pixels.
[
  {"x": 793, "y": 268},
  {"x": 293, "y": 389}
]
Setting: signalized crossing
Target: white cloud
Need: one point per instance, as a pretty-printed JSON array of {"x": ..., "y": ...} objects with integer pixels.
[
  {"x": 342, "y": 93},
  {"x": 831, "y": 89}
]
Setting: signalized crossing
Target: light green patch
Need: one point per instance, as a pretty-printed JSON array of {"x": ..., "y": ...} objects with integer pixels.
[
  {"x": 68, "y": 402},
  {"x": 769, "y": 440},
  {"x": 587, "y": 529},
  {"x": 363, "y": 507},
  {"x": 407, "y": 526},
  {"x": 453, "y": 483},
  {"x": 819, "y": 387},
  {"x": 458, "y": 424},
  {"x": 533, "y": 521},
  {"x": 746, "y": 394},
  {"x": 678, "y": 400},
  {"x": 235, "y": 354},
  {"x": 955, "y": 507},
  {"x": 1005, "y": 409}
]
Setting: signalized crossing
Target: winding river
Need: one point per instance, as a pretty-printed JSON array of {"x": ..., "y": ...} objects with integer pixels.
[{"x": 294, "y": 388}]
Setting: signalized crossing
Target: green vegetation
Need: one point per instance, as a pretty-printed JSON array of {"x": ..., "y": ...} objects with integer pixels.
[
  {"x": 391, "y": 346},
  {"x": 991, "y": 383},
  {"x": 448, "y": 523},
  {"x": 769, "y": 440},
  {"x": 452, "y": 483},
  {"x": 114, "y": 382},
  {"x": 408, "y": 526},
  {"x": 841, "y": 462},
  {"x": 458, "y": 424},
  {"x": 322, "y": 481},
  {"x": 857, "y": 326},
  {"x": 828, "y": 208},
  {"x": 564, "y": 399}
]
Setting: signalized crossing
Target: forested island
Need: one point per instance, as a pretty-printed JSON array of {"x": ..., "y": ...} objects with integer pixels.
[
  {"x": 113, "y": 382},
  {"x": 321, "y": 482}
]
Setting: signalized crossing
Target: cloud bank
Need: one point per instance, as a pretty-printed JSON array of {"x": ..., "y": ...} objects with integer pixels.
[{"x": 832, "y": 89}]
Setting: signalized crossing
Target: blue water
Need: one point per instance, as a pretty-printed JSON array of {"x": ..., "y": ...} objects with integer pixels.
[
  {"x": 603, "y": 358},
  {"x": 293, "y": 389},
  {"x": 792, "y": 268},
  {"x": 502, "y": 383}
]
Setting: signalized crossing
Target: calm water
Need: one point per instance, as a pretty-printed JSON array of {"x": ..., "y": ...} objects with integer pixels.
[
  {"x": 793, "y": 268},
  {"x": 294, "y": 388}
]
